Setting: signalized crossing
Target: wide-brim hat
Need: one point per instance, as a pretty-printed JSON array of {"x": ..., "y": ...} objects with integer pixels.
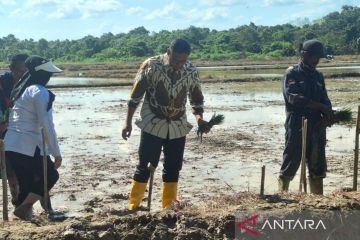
[{"x": 36, "y": 63}]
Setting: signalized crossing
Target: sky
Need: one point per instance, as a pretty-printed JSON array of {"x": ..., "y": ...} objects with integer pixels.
[{"x": 74, "y": 19}]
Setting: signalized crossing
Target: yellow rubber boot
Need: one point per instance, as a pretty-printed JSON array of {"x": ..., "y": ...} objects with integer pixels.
[
  {"x": 169, "y": 194},
  {"x": 136, "y": 194}
]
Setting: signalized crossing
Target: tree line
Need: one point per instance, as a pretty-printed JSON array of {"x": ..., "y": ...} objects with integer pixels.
[{"x": 339, "y": 31}]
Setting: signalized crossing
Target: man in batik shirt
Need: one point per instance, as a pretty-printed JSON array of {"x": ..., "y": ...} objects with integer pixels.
[{"x": 166, "y": 81}]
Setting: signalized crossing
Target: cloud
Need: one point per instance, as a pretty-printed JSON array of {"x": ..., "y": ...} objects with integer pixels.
[
  {"x": 213, "y": 13},
  {"x": 175, "y": 11},
  {"x": 221, "y": 2},
  {"x": 22, "y": 12},
  {"x": 307, "y": 3},
  {"x": 59, "y": 9},
  {"x": 282, "y": 2},
  {"x": 93, "y": 8},
  {"x": 208, "y": 14},
  {"x": 7, "y": 2},
  {"x": 168, "y": 11},
  {"x": 312, "y": 12},
  {"x": 135, "y": 11},
  {"x": 34, "y": 3},
  {"x": 63, "y": 12}
]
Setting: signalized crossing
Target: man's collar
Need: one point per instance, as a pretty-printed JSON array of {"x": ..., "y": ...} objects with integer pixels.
[
  {"x": 306, "y": 68},
  {"x": 166, "y": 60}
]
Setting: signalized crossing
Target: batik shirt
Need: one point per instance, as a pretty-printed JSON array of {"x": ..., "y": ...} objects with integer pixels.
[{"x": 163, "y": 113}]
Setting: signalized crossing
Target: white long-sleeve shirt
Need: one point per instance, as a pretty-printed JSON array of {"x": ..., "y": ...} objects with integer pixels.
[{"x": 26, "y": 119}]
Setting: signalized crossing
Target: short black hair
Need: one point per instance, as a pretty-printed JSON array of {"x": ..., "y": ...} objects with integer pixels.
[
  {"x": 180, "y": 46},
  {"x": 18, "y": 58}
]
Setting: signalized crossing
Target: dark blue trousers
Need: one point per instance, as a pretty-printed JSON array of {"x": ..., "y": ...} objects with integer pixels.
[
  {"x": 150, "y": 150},
  {"x": 315, "y": 155}
]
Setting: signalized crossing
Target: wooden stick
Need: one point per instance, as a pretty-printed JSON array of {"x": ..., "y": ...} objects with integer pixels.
[
  {"x": 4, "y": 182},
  {"x": 305, "y": 151},
  {"x": 356, "y": 151},
  {"x": 152, "y": 170},
  {"x": 45, "y": 166},
  {"x": 262, "y": 180},
  {"x": 303, "y": 156}
]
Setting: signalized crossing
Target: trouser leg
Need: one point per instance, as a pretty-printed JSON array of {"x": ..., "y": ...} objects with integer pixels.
[
  {"x": 21, "y": 165},
  {"x": 291, "y": 155},
  {"x": 317, "y": 161},
  {"x": 292, "y": 152},
  {"x": 316, "y": 154},
  {"x": 149, "y": 151},
  {"x": 13, "y": 183},
  {"x": 37, "y": 186},
  {"x": 173, "y": 158}
]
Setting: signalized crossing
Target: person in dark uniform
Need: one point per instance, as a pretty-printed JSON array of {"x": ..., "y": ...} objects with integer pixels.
[
  {"x": 305, "y": 95},
  {"x": 7, "y": 81}
]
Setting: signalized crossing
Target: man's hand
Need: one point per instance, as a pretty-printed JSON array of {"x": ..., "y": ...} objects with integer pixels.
[
  {"x": 327, "y": 112},
  {"x": 58, "y": 161},
  {"x": 126, "y": 132},
  {"x": 324, "y": 122}
]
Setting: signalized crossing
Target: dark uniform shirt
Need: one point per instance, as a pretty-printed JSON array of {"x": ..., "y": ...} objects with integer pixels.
[
  {"x": 6, "y": 86},
  {"x": 300, "y": 85}
]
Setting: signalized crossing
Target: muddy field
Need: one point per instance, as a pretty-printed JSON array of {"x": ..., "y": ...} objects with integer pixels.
[
  {"x": 220, "y": 175},
  {"x": 214, "y": 219}
]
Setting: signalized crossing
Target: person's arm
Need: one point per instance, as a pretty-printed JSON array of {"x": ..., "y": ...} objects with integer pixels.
[
  {"x": 126, "y": 132},
  {"x": 324, "y": 97},
  {"x": 3, "y": 124},
  {"x": 45, "y": 118},
  {"x": 324, "y": 105},
  {"x": 328, "y": 119},
  {"x": 137, "y": 94},
  {"x": 293, "y": 92},
  {"x": 196, "y": 100}
]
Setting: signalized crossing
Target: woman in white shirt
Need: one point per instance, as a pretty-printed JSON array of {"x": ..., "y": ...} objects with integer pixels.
[{"x": 32, "y": 111}]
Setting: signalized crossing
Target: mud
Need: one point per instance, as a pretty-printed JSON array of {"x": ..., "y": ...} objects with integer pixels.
[{"x": 213, "y": 220}]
